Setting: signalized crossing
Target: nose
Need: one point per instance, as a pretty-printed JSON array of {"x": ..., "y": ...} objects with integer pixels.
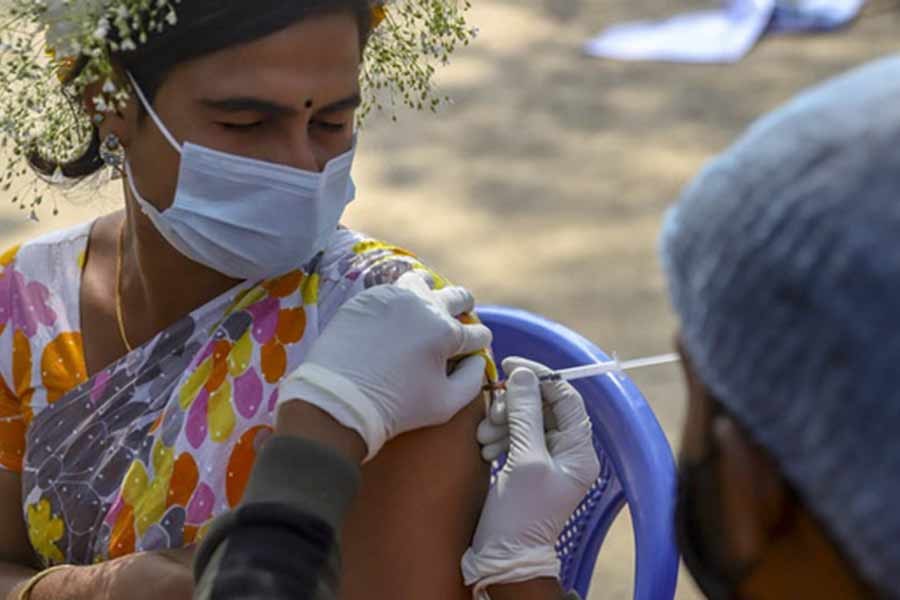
[{"x": 302, "y": 152}]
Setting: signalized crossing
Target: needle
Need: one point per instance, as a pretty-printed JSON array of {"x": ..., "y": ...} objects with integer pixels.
[{"x": 598, "y": 368}]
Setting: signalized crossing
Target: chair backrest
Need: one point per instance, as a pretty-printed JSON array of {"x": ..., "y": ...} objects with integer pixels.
[{"x": 636, "y": 461}]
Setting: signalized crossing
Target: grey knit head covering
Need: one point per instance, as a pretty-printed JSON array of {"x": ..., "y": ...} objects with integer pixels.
[{"x": 783, "y": 260}]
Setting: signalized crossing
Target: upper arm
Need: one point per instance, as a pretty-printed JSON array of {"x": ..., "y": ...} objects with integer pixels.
[
  {"x": 418, "y": 506},
  {"x": 421, "y": 497}
]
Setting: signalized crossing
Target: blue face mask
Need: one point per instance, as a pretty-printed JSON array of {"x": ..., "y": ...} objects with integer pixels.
[{"x": 246, "y": 218}]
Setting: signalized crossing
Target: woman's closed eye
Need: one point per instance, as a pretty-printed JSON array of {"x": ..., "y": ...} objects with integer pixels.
[
  {"x": 329, "y": 126},
  {"x": 241, "y": 126}
]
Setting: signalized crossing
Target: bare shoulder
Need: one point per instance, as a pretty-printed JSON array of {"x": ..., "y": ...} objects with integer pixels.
[{"x": 416, "y": 513}]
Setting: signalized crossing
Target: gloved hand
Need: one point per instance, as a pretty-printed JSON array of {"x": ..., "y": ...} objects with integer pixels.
[
  {"x": 545, "y": 477},
  {"x": 380, "y": 366},
  {"x": 493, "y": 432}
]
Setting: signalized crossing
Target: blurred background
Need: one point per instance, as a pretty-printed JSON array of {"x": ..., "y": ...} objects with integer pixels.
[{"x": 544, "y": 183}]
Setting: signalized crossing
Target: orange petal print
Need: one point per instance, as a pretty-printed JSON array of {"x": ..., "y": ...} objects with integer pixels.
[
  {"x": 220, "y": 365},
  {"x": 62, "y": 365},
  {"x": 241, "y": 462},
  {"x": 273, "y": 360},
  {"x": 284, "y": 286},
  {"x": 190, "y": 534},
  {"x": 121, "y": 541},
  {"x": 184, "y": 479},
  {"x": 12, "y": 430},
  {"x": 21, "y": 364},
  {"x": 291, "y": 325}
]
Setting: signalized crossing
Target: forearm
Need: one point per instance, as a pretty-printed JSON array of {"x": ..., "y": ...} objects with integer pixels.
[
  {"x": 299, "y": 419},
  {"x": 74, "y": 583},
  {"x": 12, "y": 577},
  {"x": 159, "y": 574}
]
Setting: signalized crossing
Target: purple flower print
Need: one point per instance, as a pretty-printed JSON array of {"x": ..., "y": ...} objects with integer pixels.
[
  {"x": 25, "y": 304},
  {"x": 265, "y": 319}
]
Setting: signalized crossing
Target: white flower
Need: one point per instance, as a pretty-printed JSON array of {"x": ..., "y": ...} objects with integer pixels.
[
  {"x": 63, "y": 20},
  {"x": 58, "y": 176},
  {"x": 102, "y": 29},
  {"x": 100, "y": 104}
]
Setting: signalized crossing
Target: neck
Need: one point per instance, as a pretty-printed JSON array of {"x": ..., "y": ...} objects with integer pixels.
[{"x": 159, "y": 284}]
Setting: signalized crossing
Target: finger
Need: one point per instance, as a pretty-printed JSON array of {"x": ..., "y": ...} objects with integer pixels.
[
  {"x": 512, "y": 363},
  {"x": 492, "y": 452},
  {"x": 575, "y": 454},
  {"x": 553, "y": 392},
  {"x": 456, "y": 300},
  {"x": 497, "y": 414},
  {"x": 564, "y": 441},
  {"x": 470, "y": 339},
  {"x": 569, "y": 409},
  {"x": 524, "y": 406},
  {"x": 549, "y": 388},
  {"x": 549, "y": 418},
  {"x": 488, "y": 433},
  {"x": 466, "y": 381}
]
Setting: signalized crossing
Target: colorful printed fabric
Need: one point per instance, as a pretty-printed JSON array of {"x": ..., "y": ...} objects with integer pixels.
[{"x": 144, "y": 454}]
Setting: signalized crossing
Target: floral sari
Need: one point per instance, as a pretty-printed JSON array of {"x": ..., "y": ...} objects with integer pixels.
[{"x": 146, "y": 452}]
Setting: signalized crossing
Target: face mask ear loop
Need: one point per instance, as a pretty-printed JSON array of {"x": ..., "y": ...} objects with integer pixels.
[
  {"x": 159, "y": 124},
  {"x": 143, "y": 204}
]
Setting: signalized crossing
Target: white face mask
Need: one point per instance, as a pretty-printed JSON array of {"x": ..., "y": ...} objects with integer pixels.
[{"x": 246, "y": 218}]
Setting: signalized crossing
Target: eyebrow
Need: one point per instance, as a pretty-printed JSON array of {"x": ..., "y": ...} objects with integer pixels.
[
  {"x": 249, "y": 104},
  {"x": 350, "y": 102}
]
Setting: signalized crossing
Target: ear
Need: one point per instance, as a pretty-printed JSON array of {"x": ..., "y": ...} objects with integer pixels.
[{"x": 755, "y": 499}]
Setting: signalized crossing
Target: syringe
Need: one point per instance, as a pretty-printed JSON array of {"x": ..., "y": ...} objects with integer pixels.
[{"x": 599, "y": 368}]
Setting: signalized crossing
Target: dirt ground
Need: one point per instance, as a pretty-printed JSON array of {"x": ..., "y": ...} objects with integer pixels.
[{"x": 543, "y": 185}]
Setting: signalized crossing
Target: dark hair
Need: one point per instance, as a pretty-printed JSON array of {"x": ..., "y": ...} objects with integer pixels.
[{"x": 203, "y": 27}]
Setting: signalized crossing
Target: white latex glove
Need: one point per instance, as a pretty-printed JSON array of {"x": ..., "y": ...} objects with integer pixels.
[
  {"x": 493, "y": 432},
  {"x": 545, "y": 477},
  {"x": 380, "y": 366}
]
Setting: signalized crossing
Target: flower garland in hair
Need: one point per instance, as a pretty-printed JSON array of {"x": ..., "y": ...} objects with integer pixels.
[
  {"x": 411, "y": 38},
  {"x": 52, "y": 51}
]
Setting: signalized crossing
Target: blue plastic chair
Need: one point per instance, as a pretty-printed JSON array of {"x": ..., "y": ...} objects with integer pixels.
[{"x": 635, "y": 458}]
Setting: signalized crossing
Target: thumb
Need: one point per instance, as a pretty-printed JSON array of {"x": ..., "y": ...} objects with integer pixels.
[
  {"x": 455, "y": 300},
  {"x": 465, "y": 383},
  {"x": 525, "y": 410}
]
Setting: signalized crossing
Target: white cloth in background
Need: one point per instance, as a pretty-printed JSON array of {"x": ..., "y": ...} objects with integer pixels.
[
  {"x": 724, "y": 35},
  {"x": 814, "y": 15}
]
